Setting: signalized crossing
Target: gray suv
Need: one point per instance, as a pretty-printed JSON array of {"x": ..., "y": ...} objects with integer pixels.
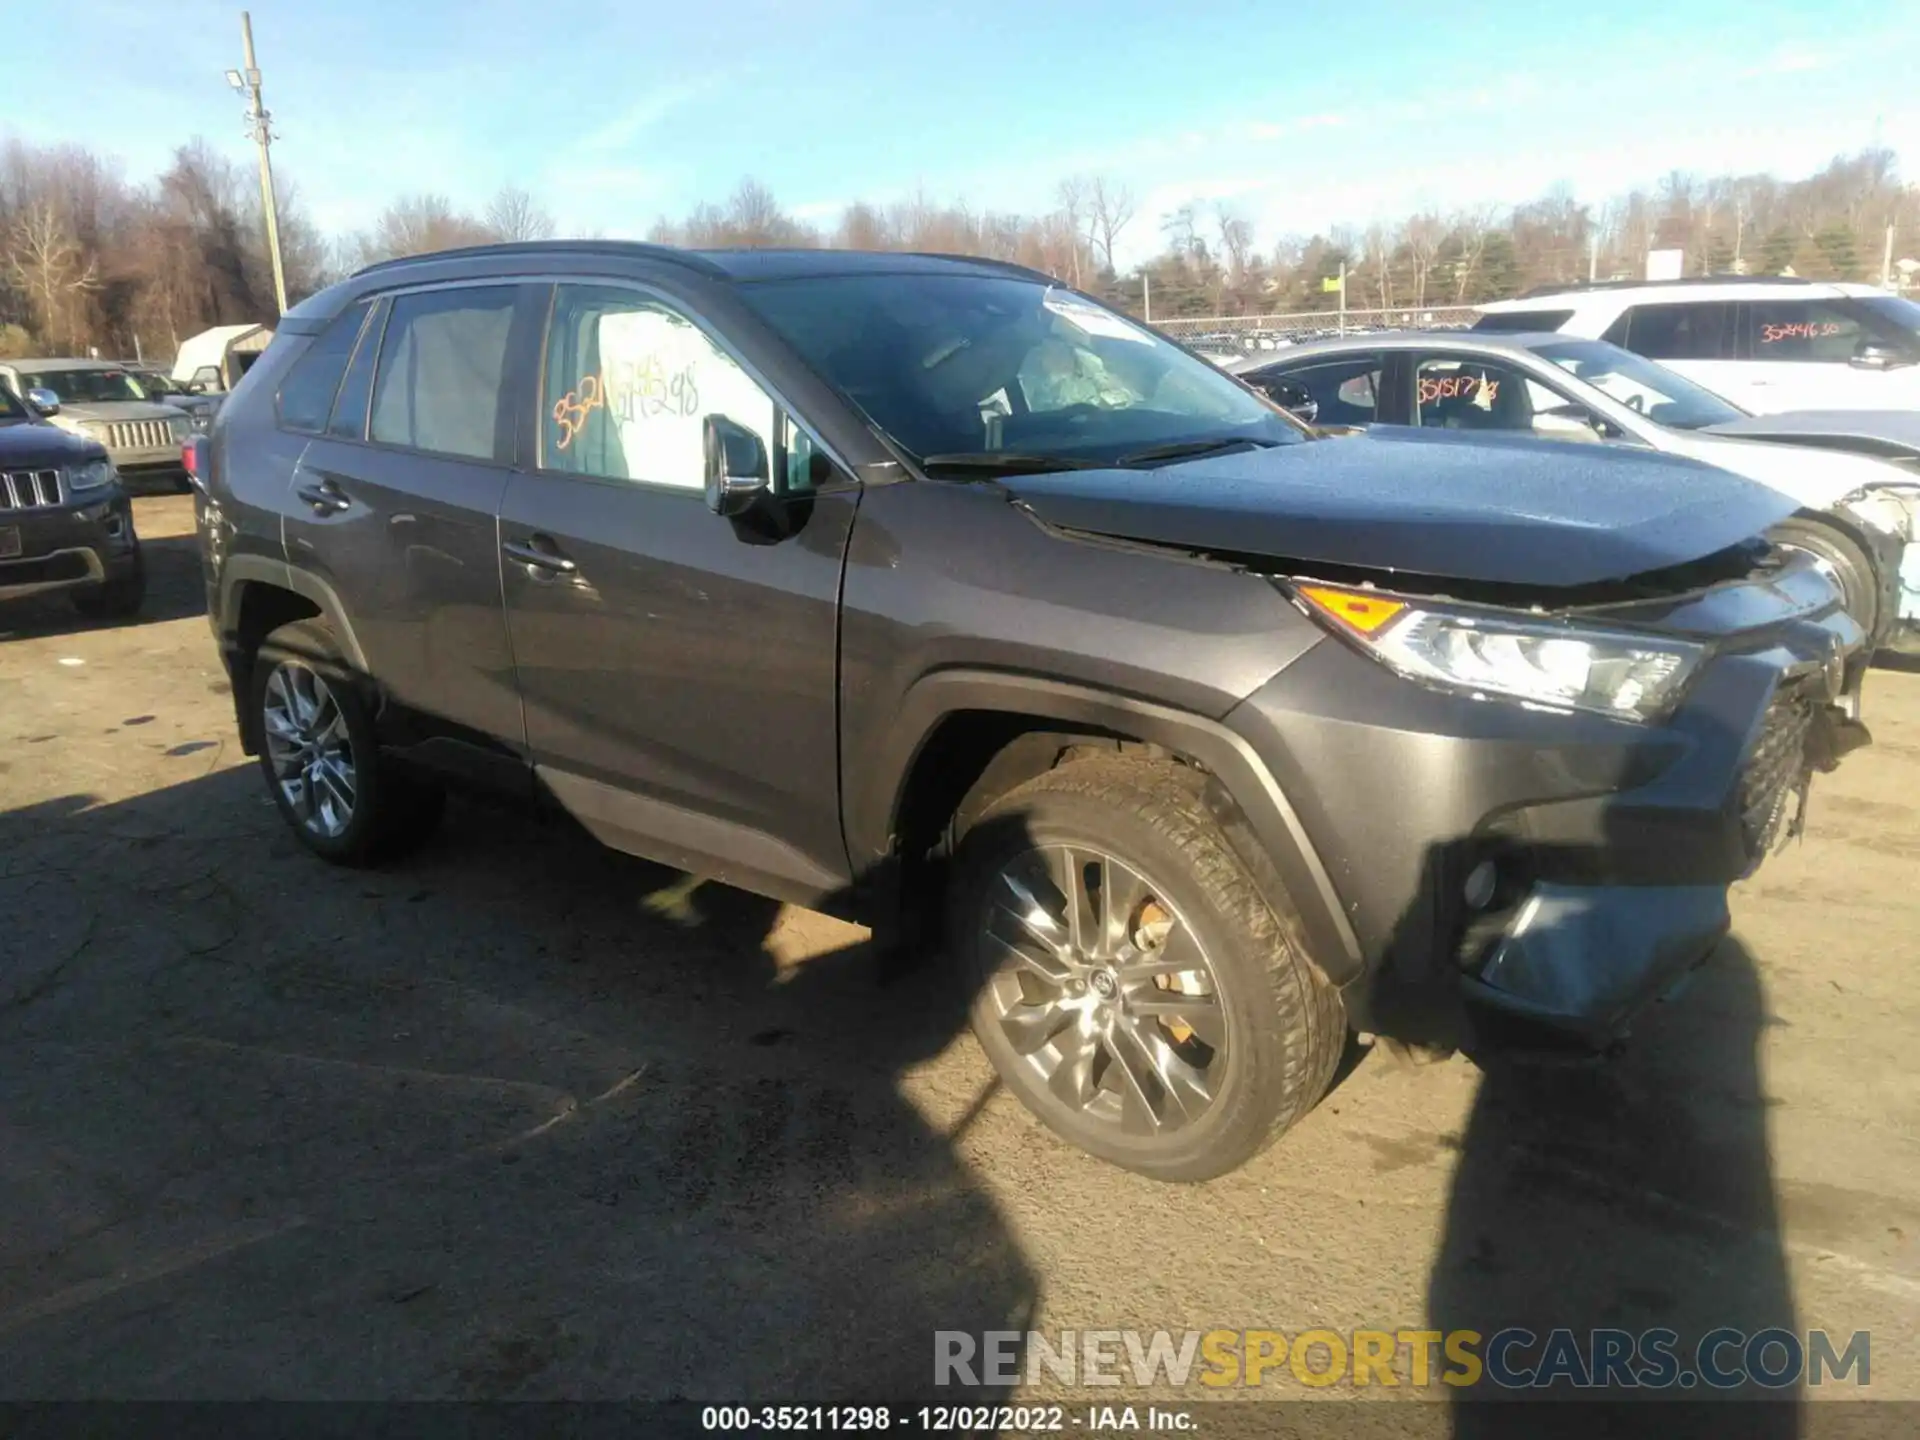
[
  {"x": 107, "y": 404},
  {"x": 920, "y": 589}
]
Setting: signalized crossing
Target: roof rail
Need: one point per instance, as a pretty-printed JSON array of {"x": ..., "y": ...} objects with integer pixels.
[
  {"x": 1580, "y": 286},
  {"x": 634, "y": 248},
  {"x": 1012, "y": 267}
]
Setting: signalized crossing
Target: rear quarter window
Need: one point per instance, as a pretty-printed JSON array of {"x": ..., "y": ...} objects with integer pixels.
[{"x": 306, "y": 395}]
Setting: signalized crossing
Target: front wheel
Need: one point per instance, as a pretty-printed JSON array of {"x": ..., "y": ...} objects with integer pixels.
[
  {"x": 115, "y": 598},
  {"x": 1845, "y": 562},
  {"x": 1133, "y": 987}
]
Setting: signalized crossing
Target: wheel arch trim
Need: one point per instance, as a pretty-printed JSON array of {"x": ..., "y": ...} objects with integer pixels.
[{"x": 1254, "y": 811}]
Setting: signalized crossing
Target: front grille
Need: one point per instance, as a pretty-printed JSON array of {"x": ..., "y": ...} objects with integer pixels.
[
  {"x": 29, "y": 489},
  {"x": 138, "y": 434},
  {"x": 1775, "y": 772}
]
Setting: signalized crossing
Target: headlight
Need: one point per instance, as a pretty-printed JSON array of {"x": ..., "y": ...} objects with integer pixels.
[
  {"x": 1486, "y": 654},
  {"x": 90, "y": 476},
  {"x": 1894, "y": 507},
  {"x": 182, "y": 427}
]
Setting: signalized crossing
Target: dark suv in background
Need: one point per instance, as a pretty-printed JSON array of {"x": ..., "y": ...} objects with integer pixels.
[
  {"x": 66, "y": 526},
  {"x": 908, "y": 586}
]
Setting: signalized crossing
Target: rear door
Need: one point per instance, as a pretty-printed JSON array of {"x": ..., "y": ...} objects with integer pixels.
[
  {"x": 396, "y": 501},
  {"x": 1694, "y": 338},
  {"x": 678, "y": 668}
]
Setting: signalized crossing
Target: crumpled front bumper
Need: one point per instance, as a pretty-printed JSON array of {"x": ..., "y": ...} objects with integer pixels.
[{"x": 1508, "y": 871}]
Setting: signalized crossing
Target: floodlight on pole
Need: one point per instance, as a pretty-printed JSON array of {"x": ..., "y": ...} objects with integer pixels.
[{"x": 258, "y": 123}]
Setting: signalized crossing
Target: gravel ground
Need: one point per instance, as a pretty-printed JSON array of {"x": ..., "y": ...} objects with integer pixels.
[{"x": 525, "y": 1118}]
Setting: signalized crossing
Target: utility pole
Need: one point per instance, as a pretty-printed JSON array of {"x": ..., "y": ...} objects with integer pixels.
[
  {"x": 1146, "y": 296},
  {"x": 247, "y": 82},
  {"x": 1886, "y": 261},
  {"x": 1593, "y": 257},
  {"x": 1343, "y": 297}
]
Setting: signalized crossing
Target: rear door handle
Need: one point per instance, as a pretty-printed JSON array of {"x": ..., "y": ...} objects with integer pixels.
[
  {"x": 325, "y": 497},
  {"x": 541, "y": 556}
]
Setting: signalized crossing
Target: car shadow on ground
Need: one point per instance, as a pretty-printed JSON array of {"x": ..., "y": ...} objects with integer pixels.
[
  {"x": 520, "y": 1117},
  {"x": 1632, "y": 1195},
  {"x": 175, "y": 591}
]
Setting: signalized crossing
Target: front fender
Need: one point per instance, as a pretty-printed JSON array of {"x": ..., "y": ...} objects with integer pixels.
[{"x": 1255, "y": 813}]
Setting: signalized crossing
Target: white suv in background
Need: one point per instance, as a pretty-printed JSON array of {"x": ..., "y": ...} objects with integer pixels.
[{"x": 1768, "y": 344}]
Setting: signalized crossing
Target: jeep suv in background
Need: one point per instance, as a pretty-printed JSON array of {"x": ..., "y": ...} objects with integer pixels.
[
  {"x": 109, "y": 405},
  {"x": 65, "y": 523},
  {"x": 1766, "y": 344},
  {"x": 929, "y": 592}
]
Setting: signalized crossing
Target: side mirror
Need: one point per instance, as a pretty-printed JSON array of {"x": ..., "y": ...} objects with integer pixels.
[
  {"x": 737, "y": 472},
  {"x": 1870, "y": 356},
  {"x": 45, "y": 401},
  {"x": 1293, "y": 398}
]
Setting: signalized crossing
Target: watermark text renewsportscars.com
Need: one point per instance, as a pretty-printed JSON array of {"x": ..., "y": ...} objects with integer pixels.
[{"x": 1513, "y": 1359}]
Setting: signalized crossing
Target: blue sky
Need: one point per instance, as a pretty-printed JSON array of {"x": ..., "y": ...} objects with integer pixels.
[{"x": 1298, "y": 113}]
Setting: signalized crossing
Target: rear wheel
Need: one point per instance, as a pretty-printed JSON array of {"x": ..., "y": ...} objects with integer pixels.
[
  {"x": 345, "y": 801},
  {"x": 1133, "y": 988},
  {"x": 1844, "y": 560}
]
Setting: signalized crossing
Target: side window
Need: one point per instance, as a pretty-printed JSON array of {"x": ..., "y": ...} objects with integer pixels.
[
  {"x": 1805, "y": 330},
  {"x": 306, "y": 395},
  {"x": 437, "y": 386},
  {"x": 1468, "y": 393},
  {"x": 1695, "y": 331},
  {"x": 1343, "y": 392},
  {"x": 628, "y": 384},
  {"x": 349, "y": 418}
]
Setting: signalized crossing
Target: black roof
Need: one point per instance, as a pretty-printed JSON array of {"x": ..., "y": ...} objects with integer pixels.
[{"x": 734, "y": 264}]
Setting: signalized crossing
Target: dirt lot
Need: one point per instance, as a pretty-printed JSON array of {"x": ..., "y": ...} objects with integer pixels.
[{"x": 525, "y": 1118}]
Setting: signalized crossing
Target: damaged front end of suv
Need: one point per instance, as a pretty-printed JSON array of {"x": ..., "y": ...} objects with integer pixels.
[{"x": 1535, "y": 746}]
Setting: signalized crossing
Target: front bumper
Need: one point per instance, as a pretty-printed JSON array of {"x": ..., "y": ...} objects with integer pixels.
[
  {"x": 69, "y": 546},
  {"x": 1611, "y": 845}
]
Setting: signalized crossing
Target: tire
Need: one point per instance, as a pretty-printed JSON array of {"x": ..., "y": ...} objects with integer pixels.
[
  {"x": 1853, "y": 570},
  {"x": 115, "y": 598},
  {"x": 1282, "y": 1022},
  {"x": 387, "y": 810}
]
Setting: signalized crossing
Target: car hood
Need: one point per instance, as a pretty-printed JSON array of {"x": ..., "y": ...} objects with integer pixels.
[
  {"x": 118, "y": 410},
  {"x": 1817, "y": 478},
  {"x": 31, "y": 445},
  {"x": 1898, "y": 430},
  {"x": 1492, "y": 509}
]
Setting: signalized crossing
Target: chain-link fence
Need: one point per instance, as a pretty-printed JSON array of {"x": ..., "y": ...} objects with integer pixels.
[{"x": 1244, "y": 334}]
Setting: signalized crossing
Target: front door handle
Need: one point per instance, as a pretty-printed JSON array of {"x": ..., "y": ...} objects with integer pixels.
[
  {"x": 326, "y": 498},
  {"x": 539, "y": 556}
]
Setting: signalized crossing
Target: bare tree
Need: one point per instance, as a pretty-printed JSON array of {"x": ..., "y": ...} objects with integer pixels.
[
  {"x": 418, "y": 225},
  {"x": 1073, "y": 199},
  {"x": 1109, "y": 212},
  {"x": 1424, "y": 235},
  {"x": 513, "y": 214},
  {"x": 46, "y": 261}
]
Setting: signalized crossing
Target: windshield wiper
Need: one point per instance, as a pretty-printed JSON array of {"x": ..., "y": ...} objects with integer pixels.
[
  {"x": 1007, "y": 462},
  {"x": 1191, "y": 449}
]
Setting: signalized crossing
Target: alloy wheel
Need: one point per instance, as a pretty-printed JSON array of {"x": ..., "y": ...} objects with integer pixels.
[
  {"x": 309, "y": 749},
  {"x": 1103, "y": 990}
]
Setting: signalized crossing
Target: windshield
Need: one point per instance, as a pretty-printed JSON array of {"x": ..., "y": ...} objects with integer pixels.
[
  {"x": 956, "y": 365},
  {"x": 11, "y": 407},
  {"x": 1663, "y": 396},
  {"x": 80, "y": 387}
]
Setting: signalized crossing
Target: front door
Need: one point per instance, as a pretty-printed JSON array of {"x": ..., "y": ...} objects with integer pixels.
[
  {"x": 395, "y": 507},
  {"x": 1798, "y": 355},
  {"x": 678, "y": 669}
]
